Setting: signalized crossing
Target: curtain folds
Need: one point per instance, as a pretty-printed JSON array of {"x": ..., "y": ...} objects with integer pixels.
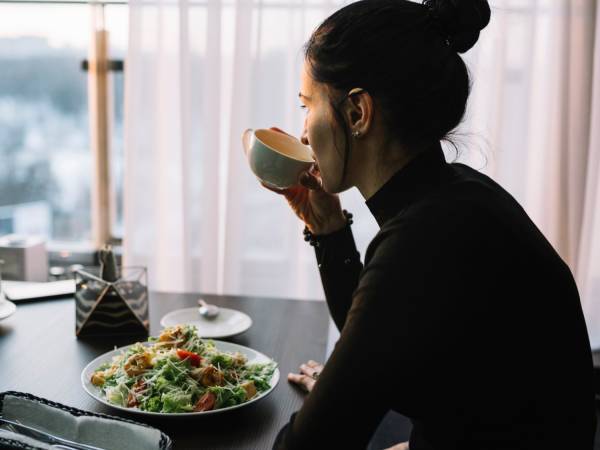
[
  {"x": 535, "y": 100},
  {"x": 199, "y": 73}
]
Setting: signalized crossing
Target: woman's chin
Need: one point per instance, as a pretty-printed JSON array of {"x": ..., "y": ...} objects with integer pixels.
[{"x": 333, "y": 188}]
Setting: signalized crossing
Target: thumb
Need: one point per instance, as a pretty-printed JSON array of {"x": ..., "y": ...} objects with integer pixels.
[{"x": 310, "y": 181}]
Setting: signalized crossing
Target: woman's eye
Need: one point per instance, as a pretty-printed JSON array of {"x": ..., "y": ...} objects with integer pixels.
[{"x": 303, "y": 107}]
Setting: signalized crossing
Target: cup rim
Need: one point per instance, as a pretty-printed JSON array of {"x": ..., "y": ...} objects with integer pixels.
[{"x": 312, "y": 160}]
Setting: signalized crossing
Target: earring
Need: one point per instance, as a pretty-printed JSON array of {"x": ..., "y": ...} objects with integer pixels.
[{"x": 356, "y": 134}]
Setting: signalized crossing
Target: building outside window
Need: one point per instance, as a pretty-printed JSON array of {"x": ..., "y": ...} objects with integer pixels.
[{"x": 46, "y": 174}]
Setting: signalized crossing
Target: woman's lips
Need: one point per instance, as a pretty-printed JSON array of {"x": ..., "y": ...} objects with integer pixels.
[{"x": 315, "y": 169}]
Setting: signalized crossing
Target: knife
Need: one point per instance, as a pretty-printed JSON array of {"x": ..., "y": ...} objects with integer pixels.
[{"x": 45, "y": 437}]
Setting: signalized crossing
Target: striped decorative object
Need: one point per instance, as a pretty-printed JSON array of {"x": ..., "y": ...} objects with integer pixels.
[{"x": 109, "y": 308}]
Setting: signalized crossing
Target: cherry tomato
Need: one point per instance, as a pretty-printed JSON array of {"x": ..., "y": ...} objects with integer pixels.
[
  {"x": 194, "y": 358},
  {"x": 206, "y": 402}
]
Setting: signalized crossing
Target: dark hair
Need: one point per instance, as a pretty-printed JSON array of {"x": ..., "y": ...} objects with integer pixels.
[{"x": 405, "y": 55}]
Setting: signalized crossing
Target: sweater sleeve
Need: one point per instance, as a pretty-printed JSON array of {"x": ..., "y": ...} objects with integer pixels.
[
  {"x": 383, "y": 356},
  {"x": 339, "y": 266}
]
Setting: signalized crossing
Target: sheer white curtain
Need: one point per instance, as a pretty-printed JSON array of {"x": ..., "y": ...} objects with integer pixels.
[
  {"x": 200, "y": 72},
  {"x": 533, "y": 123},
  {"x": 588, "y": 262}
]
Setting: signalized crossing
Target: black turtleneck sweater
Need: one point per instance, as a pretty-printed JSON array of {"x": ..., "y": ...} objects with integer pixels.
[{"x": 463, "y": 318}]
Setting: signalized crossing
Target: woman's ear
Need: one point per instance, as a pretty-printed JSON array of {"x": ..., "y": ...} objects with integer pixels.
[{"x": 359, "y": 111}]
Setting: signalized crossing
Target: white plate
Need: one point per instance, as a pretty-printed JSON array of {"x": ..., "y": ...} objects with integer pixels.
[
  {"x": 228, "y": 323},
  {"x": 6, "y": 308},
  {"x": 252, "y": 355}
]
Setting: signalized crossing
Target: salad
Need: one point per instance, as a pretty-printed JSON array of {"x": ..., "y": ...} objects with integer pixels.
[{"x": 179, "y": 373}]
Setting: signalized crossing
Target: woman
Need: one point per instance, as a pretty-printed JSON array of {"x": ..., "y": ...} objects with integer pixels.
[{"x": 463, "y": 318}]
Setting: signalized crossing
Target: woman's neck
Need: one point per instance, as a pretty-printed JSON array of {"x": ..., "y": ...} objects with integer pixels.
[{"x": 380, "y": 161}]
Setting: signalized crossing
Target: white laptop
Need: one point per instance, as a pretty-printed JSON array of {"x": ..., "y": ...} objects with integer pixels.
[{"x": 26, "y": 290}]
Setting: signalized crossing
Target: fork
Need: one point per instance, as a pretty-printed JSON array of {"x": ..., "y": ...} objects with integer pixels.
[
  {"x": 11, "y": 428},
  {"x": 19, "y": 428}
]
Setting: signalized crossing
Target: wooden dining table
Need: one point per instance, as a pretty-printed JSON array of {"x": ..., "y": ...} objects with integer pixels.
[{"x": 40, "y": 355}]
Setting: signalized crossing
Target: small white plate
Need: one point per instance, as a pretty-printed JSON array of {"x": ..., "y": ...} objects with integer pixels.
[
  {"x": 252, "y": 355},
  {"x": 228, "y": 323},
  {"x": 7, "y": 308}
]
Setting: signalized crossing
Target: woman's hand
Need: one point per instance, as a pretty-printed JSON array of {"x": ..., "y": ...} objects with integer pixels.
[
  {"x": 401, "y": 446},
  {"x": 309, "y": 373},
  {"x": 319, "y": 210}
]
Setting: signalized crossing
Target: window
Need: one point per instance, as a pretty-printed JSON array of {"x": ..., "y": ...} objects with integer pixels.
[{"x": 46, "y": 139}]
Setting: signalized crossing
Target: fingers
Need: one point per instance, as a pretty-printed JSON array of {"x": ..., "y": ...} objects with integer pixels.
[
  {"x": 279, "y": 130},
  {"x": 292, "y": 194},
  {"x": 308, "y": 375},
  {"x": 312, "y": 372},
  {"x": 310, "y": 181},
  {"x": 312, "y": 363},
  {"x": 274, "y": 189},
  {"x": 312, "y": 369},
  {"x": 304, "y": 381},
  {"x": 401, "y": 446}
]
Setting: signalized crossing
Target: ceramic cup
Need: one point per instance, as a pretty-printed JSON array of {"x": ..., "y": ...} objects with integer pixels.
[{"x": 277, "y": 159}]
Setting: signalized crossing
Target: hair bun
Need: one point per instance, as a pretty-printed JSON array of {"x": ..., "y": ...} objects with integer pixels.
[{"x": 460, "y": 20}]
